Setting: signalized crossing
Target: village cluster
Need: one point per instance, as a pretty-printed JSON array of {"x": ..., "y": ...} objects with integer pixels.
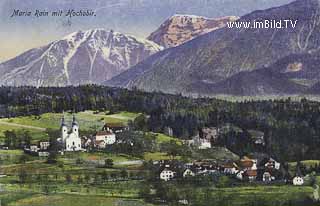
[
  {"x": 266, "y": 170},
  {"x": 245, "y": 169},
  {"x": 71, "y": 141}
]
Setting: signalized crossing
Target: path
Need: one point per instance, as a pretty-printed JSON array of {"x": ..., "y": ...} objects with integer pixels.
[
  {"x": 130, "y": 162},
  {"x": 22, "y": 126}
]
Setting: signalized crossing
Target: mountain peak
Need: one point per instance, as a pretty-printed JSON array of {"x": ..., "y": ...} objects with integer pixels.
[
  {"x": 227, "y": 60},
  {"x": 181, "y": 28},
  {"x": 82, "y": 57}
]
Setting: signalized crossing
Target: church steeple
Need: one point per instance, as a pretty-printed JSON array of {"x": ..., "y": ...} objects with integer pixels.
[
  {"x": 75, "y": 126},
  {"x": 74, "y": 121},
  {"x": 63, "y": 121},
  {"x": 64, "y": 128}
]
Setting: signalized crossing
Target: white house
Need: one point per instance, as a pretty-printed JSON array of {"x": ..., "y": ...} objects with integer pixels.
[
  {"x": 188, "y": 173},
  {"x": 34, "y": 148},
  {"x": 239, "y": 175},
  {"x": 298, "y": 181},
  {"x": 267, "y": 177},
  {"x": 272, "y": 164},
  {"x": 167, "y": 174},
  {"x": 44, "y": 145},
  {"x": 230, "y": 169},
  {"x": 71, "y": 141},
  {"x": 108, "y": 137},
  {"x": 201, "y": 143}
]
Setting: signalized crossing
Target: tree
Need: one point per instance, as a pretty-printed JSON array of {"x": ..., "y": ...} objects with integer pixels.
[
  {"x": 23, "y": 159},
  {"x": 52, "y": 158},
  {"x": 172, "y": 148},
  {"x": 26, "y": 138},
  {"x": 140, "y": 123},
  {"x": 68, "y": 179},
  {"x": 10, "y": 138},
  {"x": 223, "y": 181},
  {"x": 145, "y": 191},
  {"x": 108, "y": 163},
  {"x": 104, "y": 176},
  {"x": 23, "y": 176},
  {"x": 124, "y": 174}
]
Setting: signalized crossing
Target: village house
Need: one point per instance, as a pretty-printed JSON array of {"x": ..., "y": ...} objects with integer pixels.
[
  {"x": 230, "y": 168},
  {"x": 248, "y": 164},
  {"x": 167, "y": 174},
  {"x": 298, "y": 179},
  {"x": 34, "y": 148},
  {"x": 251, "y": 174},
  {"x": 115, "y": 127},
  {"x": 86, "y": 142},
  {"x": 36, "y": 151},
  {"x": 43, "y": 154},
  {"x": 257, "y": 137},
  {"x": 247, "y": 169},
  {"x": 189, "y": 173},
  {"x": 272, "y": 164},
  {"x": 104, "y": 138},
  {"x": 204, "y": 138},
  {"x": 44, "y": 145}
]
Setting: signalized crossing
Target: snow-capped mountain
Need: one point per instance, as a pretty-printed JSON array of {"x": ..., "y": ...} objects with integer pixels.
[
  {"x": 82, "y": 57},
  {"x": 182, "y": 28}
]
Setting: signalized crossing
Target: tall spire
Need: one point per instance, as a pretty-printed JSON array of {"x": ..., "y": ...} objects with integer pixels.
[
  {"x": 74, "y": 121},
  {"x": 63, "y": 121}
]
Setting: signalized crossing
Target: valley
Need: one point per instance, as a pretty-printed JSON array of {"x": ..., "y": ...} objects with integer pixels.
[{"x": 150, "y": 142}]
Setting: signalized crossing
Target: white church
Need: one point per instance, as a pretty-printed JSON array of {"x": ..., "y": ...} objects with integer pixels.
[{"x": 70, "y": 140}]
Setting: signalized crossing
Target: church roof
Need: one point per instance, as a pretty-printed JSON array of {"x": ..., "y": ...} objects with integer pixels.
[{"x": 102, "y": 133}]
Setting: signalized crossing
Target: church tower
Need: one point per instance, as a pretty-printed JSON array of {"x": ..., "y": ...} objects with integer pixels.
[
  {"x": 64, "y": 129},
  {"x": 75, "y": 126}
]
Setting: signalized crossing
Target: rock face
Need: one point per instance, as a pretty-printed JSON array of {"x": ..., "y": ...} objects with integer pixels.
[
  {"x": 182, "y": 28},
  {"x": 202, "y": 64},
  {"x": 82, "y": 57}
]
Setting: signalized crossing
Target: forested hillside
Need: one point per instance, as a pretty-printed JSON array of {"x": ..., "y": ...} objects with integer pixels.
[{"x": 292, "y": 129}]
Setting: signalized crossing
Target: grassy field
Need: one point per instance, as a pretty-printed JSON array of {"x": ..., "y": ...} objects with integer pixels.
[
  {"x": 36, "y": 125},
  {"x": 29, "y": 199},
  {"x": 162, "y": 138},
  {"x": 275, "y": 195},
  {"x": 87, "y": 119},
  {"x": 157, "y": 156},
  {"x": 307, "y": 163}
]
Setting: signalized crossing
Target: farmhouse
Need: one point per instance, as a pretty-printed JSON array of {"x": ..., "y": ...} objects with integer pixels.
[
  {"x": 115, "y": 127},
  {"x": 167, "y": 174},
  {"x": 108, "y": 137}
]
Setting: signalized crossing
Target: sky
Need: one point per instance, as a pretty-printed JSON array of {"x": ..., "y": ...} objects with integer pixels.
[{"x": 136, "y": 17}]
